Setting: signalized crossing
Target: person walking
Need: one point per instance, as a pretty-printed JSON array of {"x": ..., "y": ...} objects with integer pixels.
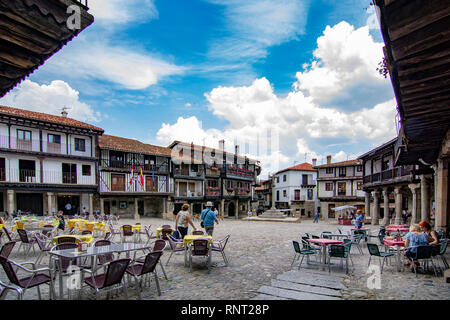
[
  {"x": 359, "y": 219},
  {"x": 316, "y": 217},
  {"x": 60, "y": 218},
  {"x": 208, "y": 218},
  {"x": 183, "y": 220}
]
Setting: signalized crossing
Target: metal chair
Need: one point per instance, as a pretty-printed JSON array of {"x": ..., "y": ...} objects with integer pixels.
[
  {"x": 375, "y": 251},
  {"x": 37, "y": 278},
  {"x": 326, "y": 235},
  {"x": 356, "y": 240},
  {"x": 148, "y": 267},
  {"x": 85, "y": 232},
  {"x": 200, "y": 248},
  {"x": 111, "y": 279},
  {"x": 443, "y": 249},
  {"x": 198, "y": 232},
  {"x": 174, "y": 246},
  {"x": 219, "y": 246},
  {"x": 127, "y": 232},
  {"x": 108, "y": 235},
  {"x": 7, "y": 248},
  {"x": 26, "y": 242},
  {"x": 113, "y": 231},
  {"x": 62, "y": 240},
  {"x": 299, "y": 252},
  {"x": 149, "y": 234},
  {"x": 43, "y": 244},
  {"x": 338, "y": 251},
  {"x": 6, "y": 288},
  {"x": 166, "y": 230},
  {"x": 423, "y": 253},
  {"x": 159, "y": 245}
]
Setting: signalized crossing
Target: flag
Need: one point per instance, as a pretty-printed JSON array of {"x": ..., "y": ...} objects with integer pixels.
[
  {"x": 142, "y": 178},
  {"x": 132, "y": 174},
  {"x": 153, "y": 176}
]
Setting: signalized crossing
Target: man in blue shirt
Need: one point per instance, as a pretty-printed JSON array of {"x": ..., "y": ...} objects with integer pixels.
[
  {"x": 209, "y": 217},
  {"x": 359, "y": 219}
]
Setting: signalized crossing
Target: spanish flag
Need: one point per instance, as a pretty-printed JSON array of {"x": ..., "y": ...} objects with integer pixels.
[{"x": 142, "y": 178}]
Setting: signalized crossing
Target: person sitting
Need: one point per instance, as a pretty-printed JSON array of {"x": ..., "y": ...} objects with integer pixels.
[
  {"x": 405, "y": 216},
  {"x": 415, "y": 237},
  {"x": 431, "y": 234}
]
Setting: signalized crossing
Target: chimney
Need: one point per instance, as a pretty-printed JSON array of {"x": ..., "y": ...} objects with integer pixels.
[
  {"x": 236, "y": 149},
  {"x": 314, "y": 162},
  {"x": 222, "y": 145},
  {"x": 64, "y": 112},
  {"x": 328, "y": 159}
]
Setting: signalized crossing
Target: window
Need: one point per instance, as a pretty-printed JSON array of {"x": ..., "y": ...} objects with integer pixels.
[
  {"x": 194, "y": 167},
  {"x": 117, "y": 182},
  {"x": 328, "y": 186},
  {"x": 310, "y": 194},
  {"x": 284, "y": 194},
  {"x": 385, "y": 165},
  {"x": 278, "y": 195},
  {"x": 54, "y": 138},
  {"x": 284, "y": 177},
  {"x": 23, "y": 135},
  {"x": 359, "y": 185},
  {"x": 86, "y": 170},
  {"x": 69, "y": 172},
  {"x": 278, "y": 179},
  {"x": 329, "y": 170},
  {"x": 27, "y": 171},
  {"x": 297, "y": 195},
  {"x": 342, "y": 172},
  {"x": 359, "y": 168},
  {"x": 304, "y": 179},
  {"x": 2, "y": 169},
  {"x": 341, "y": 188},
  {"x": 80, "y": 145},
  {"x": 212, "y": 183},
  {"x": 151, "y": 185}
]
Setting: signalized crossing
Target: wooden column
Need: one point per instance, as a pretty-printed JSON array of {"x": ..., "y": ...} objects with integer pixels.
[
  {"x": 386, "y": 207},
  {"x": 91, "y": 206}
]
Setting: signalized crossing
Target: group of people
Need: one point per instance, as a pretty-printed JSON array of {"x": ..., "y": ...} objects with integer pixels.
[
  {"x": 184, "y": 219},
  {"x": 419, "y": 234}
]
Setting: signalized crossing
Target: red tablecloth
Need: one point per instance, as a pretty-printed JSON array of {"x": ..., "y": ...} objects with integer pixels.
[
  {"x": 400, "y": 243},
  {"x": 326, "y": 241},
  {"x": 365, "y": 229},
  {"x": 397, "y": 226},
  {"x": 392, "y": 230}
]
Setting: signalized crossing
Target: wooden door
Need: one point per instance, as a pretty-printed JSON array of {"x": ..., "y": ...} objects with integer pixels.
[
  {"x": 149, "y": 184},
  {"x": 117, "y": 182}
]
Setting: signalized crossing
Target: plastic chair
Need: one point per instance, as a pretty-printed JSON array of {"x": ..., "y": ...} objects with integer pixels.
[
  {"x": 200, "y": 248},
  {"x": 174, "y": 246},
  {"x": 219, "y": 246},
  {"x": 375, "y": 251},
  {"x": 37, "y": 278},
  {"x": 111, "y": 279},
  {"x": 299, "y": 252},
  {"x": 148, "y": 267}
]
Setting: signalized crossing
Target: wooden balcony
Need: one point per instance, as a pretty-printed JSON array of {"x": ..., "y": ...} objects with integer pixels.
[{"x": 389, "y": 176}]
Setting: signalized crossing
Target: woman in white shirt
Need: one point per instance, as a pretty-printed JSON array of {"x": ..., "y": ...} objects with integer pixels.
[{"x": 183, "y": 220}]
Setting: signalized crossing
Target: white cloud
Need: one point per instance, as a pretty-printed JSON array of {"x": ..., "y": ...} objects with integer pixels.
[
  {"x": 113, "y": 13},
  {"x": 345, "y": 60},
  {"x": 124, "y": 66},
  {"x": 50, "y": 99}
]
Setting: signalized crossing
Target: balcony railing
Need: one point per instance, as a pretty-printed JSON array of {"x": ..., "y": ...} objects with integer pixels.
[
  {"x": 188, "y": 194},
  {"x": 240, "y": 172},
  {"x": 117, "y": 164},
  {"x": 48, "y": 177},
  {"x": 188, "y": 173},
  {"x": 212, "y": 172},
  {"x": 389, "y": 174}
]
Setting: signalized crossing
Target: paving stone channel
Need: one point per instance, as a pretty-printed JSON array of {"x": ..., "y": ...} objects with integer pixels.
[{"x": 260, "y": 255}]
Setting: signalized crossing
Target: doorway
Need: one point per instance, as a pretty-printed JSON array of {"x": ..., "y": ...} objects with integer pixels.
[
  {"x": 30, "y": 202},
  {"x": 141, "y": 207},
  {"x": 70, "y": 205},
  {"x": 231, "y": 209},
  {"x": 331, "y": 213}
]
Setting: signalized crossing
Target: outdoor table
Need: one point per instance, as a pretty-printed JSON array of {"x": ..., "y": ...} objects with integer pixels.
[
  {"x": 189, "y": 238},
  {"x": 324, "y": 243},
  {"x": 392, "y": 230},
  {"x": 93, "y": 252},
  {"x": 88, "y": 238},
  {"x": 397, "y": 226},
  {"x": 337, "y": 235},
  {"x": 398, "y": 244}
]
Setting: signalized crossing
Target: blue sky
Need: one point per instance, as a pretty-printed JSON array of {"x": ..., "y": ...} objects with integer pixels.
[{"x": 202, "y": 70}]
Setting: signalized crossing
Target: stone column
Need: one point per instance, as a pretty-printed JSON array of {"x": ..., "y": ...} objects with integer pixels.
[
  {"x": 424, "y": 198},
  {"x": 222, "y": 208},
  {"x": 398, "y": 205},
  {"x": 91, "y": 206},
  {"x": 414, "y": 212},
  {"x": 367, "y": 204},
  {"x": 376, "y": 207},
  {"x": 10, "y": 201},
  {"x": 49, "y": 203},
  {"x": 136, "y": 211},
  {"x": 236, "y": 206},
  {"x": 386, "y": 207},
  {"x": 442, "y": 210}
]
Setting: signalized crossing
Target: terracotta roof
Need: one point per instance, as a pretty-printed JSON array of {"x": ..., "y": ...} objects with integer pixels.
[
  {"x": 340, "y": 164},
  {"x": 131, "y": 145},
  {"x": 299, "y": 167},
  {"x": 47, "y": 117}
]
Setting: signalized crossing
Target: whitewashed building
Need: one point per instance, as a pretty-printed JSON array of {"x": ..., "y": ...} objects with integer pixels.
[
  {"x": 295, "y": 188},
  {"x": 46, "y": 162}
]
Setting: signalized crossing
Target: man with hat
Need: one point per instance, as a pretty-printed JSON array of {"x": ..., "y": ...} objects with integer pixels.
[{"x": 208, "y": 218}]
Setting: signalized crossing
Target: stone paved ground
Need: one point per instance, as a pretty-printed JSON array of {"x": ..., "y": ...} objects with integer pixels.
[{"x": 258, "y": 253}]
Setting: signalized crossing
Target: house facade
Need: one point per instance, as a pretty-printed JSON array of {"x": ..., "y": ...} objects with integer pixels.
[
  {"x": 263, "y": 194},
  {"x": 204, "y": 174},
  {"x": 46, "y": 162},
  {"x": 295, "y": 188},
  {"x": 339, "y": 184},
  {"x": 134, "y": 177}
]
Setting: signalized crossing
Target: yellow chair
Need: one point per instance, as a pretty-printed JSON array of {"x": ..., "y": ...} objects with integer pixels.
[{"x": 20, "y": 225}]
